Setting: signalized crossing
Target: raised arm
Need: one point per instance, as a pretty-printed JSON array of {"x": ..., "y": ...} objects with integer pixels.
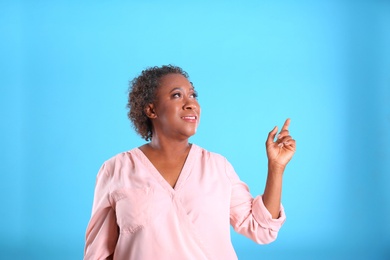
[{"x": 279, "y": 153}]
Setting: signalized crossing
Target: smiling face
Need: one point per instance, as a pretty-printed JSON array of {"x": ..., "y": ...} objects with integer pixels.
[{"x": 176, "y": 111}]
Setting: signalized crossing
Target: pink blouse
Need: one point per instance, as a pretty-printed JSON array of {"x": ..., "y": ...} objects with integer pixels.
[{"x": 137, "y": 215}]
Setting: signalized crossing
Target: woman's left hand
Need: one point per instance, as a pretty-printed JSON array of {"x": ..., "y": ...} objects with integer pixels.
[{"x": 281, "y": 151}]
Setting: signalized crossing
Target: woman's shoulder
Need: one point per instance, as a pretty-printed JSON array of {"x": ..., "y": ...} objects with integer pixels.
[
  {"x": 206, "y": 154},
  {"x": 212, "y": 160},
  {"x": 122, "y": 158}
]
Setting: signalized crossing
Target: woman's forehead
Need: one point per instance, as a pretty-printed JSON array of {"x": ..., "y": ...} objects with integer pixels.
[{"x": 171, "y": 81}]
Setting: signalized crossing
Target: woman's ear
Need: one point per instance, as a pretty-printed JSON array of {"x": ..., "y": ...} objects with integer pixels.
[{"x": 149, "y": 111}]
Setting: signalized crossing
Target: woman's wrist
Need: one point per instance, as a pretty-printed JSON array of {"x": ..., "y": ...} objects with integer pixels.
[{"x": 274, "y": 167}]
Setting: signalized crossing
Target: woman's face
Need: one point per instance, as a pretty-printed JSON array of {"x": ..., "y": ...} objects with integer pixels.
[{"x": 176, "y": 111}]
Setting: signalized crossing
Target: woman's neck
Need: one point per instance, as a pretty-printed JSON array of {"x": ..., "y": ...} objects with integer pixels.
[{"x": 168, "y": 148}]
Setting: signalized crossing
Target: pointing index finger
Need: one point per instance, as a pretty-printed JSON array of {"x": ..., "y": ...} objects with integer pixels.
[{"x": 286, "y": 124}]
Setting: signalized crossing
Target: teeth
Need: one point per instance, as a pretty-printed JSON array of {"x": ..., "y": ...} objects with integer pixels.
[{"x": 189, "y": 117}]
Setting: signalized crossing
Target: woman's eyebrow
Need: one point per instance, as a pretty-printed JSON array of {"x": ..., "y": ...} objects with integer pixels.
[
  {"x": 181, "y": 89},
  {"x": 177, "y": 88}
]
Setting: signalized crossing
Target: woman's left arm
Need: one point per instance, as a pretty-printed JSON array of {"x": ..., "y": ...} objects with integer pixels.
[{"x": 279, "y": 153}]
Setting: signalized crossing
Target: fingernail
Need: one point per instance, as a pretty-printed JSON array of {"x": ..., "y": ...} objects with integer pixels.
[{"x": 280, "y": 145}]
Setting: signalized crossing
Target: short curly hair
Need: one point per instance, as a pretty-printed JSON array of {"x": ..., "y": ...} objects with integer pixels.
[{"x": 142, "y": 91}]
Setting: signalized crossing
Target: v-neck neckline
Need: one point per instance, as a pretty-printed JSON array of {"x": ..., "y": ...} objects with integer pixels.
[{"x": 184, "y": 173}]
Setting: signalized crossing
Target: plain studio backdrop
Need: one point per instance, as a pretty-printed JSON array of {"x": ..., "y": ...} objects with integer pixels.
[{"x": 65, "y": 68}]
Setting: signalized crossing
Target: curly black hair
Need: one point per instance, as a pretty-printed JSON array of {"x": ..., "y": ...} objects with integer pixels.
[{"x": 142, "y": 91}]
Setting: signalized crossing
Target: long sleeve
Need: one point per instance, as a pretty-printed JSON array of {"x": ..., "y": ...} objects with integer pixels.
[
  {"x": 248, "y": 215},
  {"x": 102, "y": 230}
]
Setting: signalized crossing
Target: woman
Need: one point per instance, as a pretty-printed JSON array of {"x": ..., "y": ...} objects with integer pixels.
[{"x": 170, "y": 199}]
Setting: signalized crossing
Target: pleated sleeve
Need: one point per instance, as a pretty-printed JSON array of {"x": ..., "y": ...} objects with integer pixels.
[
  {"x": 102, "y": 231},
  {"x": 248, "y": 215}
]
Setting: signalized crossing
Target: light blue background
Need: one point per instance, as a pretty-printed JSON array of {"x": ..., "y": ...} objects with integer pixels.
[{"x": 65, "y": 68}]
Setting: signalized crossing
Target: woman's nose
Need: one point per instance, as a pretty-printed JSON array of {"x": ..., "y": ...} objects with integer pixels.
[{"x": 190, "y": 104}]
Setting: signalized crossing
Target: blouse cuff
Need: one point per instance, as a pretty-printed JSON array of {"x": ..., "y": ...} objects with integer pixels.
[{"x": 264, "y": 217}]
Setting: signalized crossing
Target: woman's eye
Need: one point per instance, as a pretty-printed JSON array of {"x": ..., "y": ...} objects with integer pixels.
[
  {"x": 194, "y": 95},
  {"x": 176, "y": 95}
]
